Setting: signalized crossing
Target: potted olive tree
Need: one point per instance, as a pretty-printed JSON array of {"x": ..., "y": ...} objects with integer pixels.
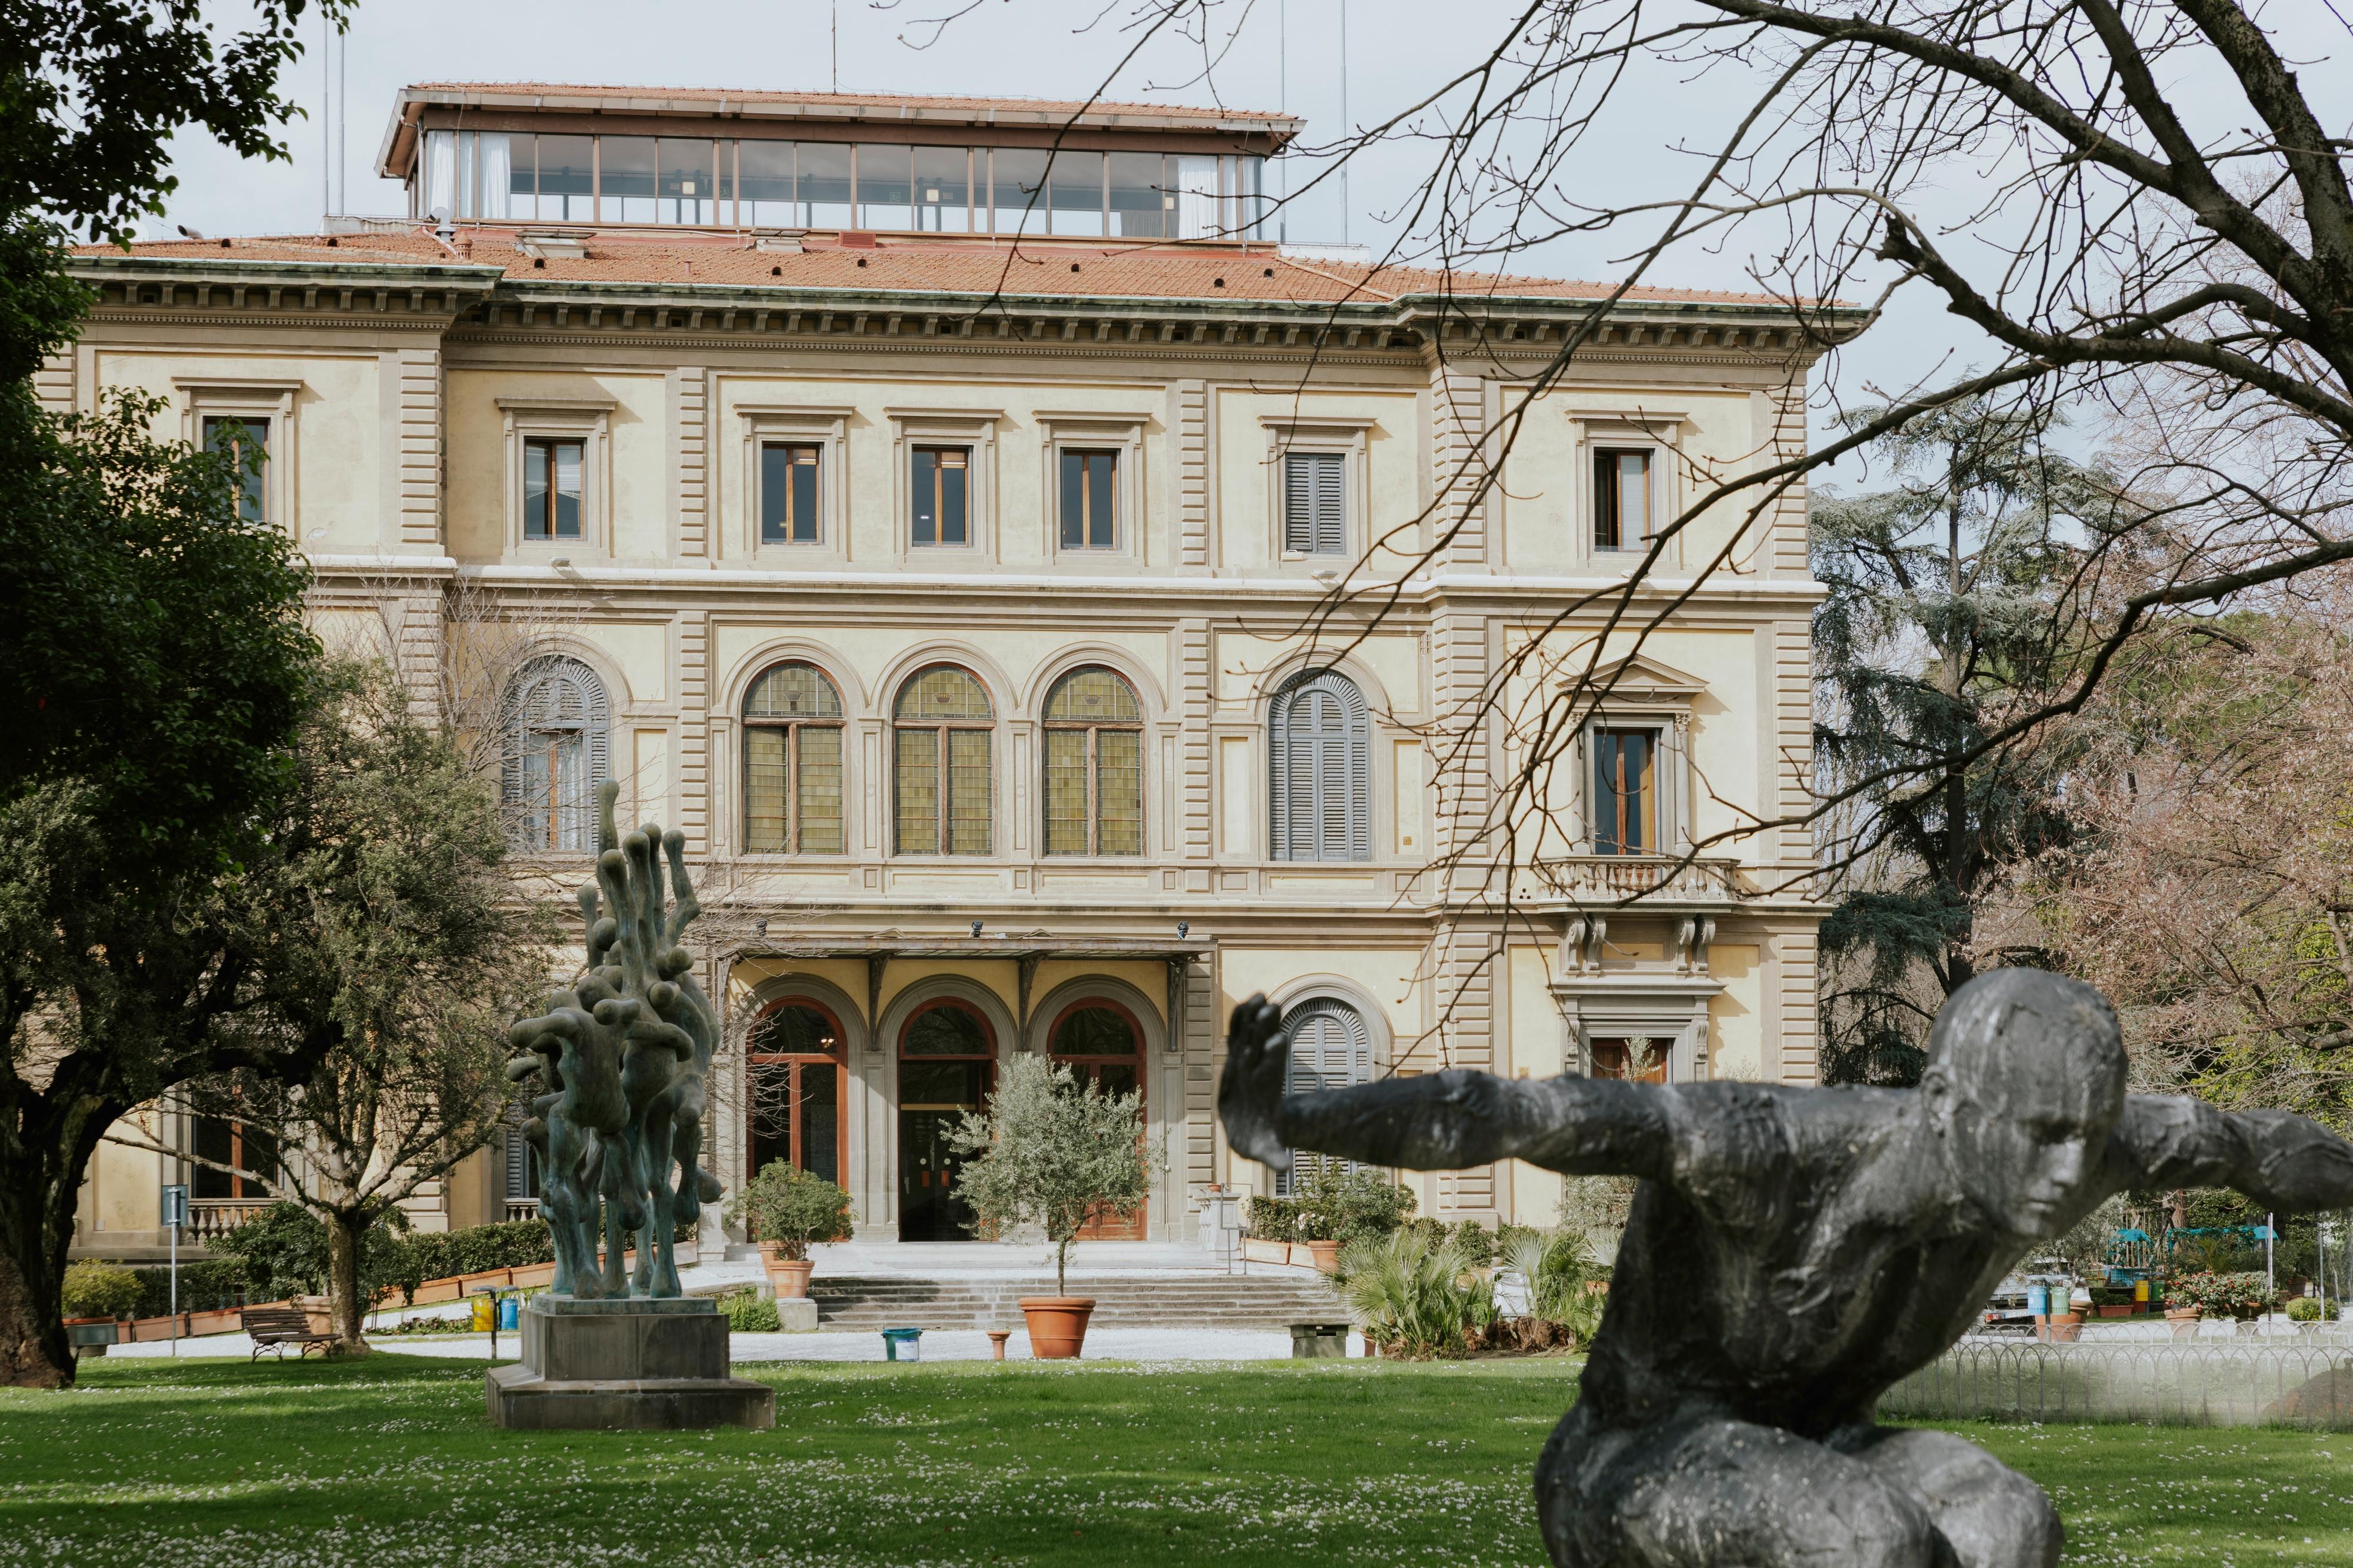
[
  {"x": 785, "y": 1209},
  {"x": 1051, "y": 1151}
]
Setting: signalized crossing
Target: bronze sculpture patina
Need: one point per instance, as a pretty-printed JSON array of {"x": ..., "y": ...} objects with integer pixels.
[
  {"x": 620, "y": 1059},
  {"x": 1794, "y": 1252}
]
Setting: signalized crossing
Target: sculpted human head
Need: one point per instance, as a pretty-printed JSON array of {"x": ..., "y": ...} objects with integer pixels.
[{"x": 2025, "y": 1079}]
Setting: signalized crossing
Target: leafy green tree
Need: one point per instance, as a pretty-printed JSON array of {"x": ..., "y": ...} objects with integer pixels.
[
  {"x": 1054, "y": 1152},
  {"x": 387, "y": 957},
  {"x": 154, "y": 644},
  {"x": 1953, "y": 607}
]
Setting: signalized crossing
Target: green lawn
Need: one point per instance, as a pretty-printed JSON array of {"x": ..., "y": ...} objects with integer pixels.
[{"x": 389, "y": 1462}]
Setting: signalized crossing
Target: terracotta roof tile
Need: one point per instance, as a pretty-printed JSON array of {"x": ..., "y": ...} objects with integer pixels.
[{"x": 1056, "y": 270}]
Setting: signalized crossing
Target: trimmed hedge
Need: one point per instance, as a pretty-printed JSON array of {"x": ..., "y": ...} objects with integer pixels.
[
  {"x": 205, "y": 1287},
  {"x": 438, "y": 1255}
]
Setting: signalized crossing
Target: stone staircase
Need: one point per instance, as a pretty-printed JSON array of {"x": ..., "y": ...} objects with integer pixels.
[{"x": 1171, "y": 1300}]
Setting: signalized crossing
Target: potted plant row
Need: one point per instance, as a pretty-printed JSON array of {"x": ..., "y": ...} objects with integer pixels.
[
  {"x": 1055, "y": 1152},
  {"x": 2241, "y": 1296},
  {"x": 96, "y": 1297},
  {"x": 786, "y": 1210}
]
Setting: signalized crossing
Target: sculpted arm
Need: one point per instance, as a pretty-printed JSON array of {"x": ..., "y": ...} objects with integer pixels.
[
  {"x": 2287, "y": 1162},
  {"x": 1442, "y": 1122}
]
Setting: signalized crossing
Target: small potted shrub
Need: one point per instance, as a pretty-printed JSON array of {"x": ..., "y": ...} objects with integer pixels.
[
  {"x": 786, "y": 1210},
  {"x": 2241, "y": 1296},
  {"x": 95, "y": 1295},
  {"x": 1270, "y": 1224},
  {"x": 1051, "y": 1151},
  {"x": 2109, "y": 1301}
]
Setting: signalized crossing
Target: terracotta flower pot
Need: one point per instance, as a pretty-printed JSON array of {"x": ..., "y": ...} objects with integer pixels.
[
  {"x": 2063, "y": 1328},
  {"x": 788, "y": 1275},
  {"x": 1057, "y": 1325},
  {"x": 1323, "y": 1257},
  {"x": 2183, "y": 1321}
]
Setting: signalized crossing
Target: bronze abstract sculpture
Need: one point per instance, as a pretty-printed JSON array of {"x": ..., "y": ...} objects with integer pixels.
[
  {"x": 1794, "y": 1252},
  {"x": 620, "y": 1060}
]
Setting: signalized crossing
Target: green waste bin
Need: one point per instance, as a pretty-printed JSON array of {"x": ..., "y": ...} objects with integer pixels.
[{"x": 902, "y": 1344}]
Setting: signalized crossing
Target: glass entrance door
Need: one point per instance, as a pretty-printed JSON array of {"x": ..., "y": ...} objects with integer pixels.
[{"x": 947, "y": 1058}]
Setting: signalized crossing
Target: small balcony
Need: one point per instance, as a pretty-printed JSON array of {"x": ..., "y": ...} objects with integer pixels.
[
  {"x": 212, "y": 1218},
  {"x": 1654, "y": 878}
]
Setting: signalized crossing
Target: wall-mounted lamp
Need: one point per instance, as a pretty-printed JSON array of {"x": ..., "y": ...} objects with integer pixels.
[
  {"x": 975, "y": 927},
  {"x": 1183, "y": 929}
]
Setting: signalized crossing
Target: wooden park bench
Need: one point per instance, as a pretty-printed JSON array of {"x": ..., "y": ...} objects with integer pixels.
[{"x": 275, "y": 1328}]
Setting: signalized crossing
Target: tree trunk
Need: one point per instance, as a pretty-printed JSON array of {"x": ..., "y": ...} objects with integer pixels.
[
  {"x": 346, "y": 1313},
  {"x": 32, "y": 1350},
  {"x": 44, "y": 1149}
]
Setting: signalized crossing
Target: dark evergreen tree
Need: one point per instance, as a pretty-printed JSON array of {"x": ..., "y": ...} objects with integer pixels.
[{"x": 1954, "y": 606}]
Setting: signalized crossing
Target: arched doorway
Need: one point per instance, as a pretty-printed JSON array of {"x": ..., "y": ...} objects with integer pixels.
[
  {"x": 947, "y": 1059},
  {"x": 1100, "y": 1043},
  {"x": 796, "y": 1060}
]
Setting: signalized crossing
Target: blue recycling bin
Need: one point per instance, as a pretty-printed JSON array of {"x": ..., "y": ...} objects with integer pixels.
[
  {"x": 509, "y": 1312},
  {"x": 2038, "y": 1300},
  {"x": 902, "y": 1344}
]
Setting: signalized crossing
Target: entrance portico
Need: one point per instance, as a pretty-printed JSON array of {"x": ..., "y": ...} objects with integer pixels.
[{"x": 862, "y": 1052}]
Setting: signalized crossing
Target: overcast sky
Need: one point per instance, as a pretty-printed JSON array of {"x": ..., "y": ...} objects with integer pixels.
[{"x": 1282, "y": 54}]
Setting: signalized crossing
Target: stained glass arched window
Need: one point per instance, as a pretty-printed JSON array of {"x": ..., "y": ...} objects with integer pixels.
[
  {"x": 1094, "y": 765},
  {"x": 792, "y": 762},
  {"x": 943, "y": 726}
]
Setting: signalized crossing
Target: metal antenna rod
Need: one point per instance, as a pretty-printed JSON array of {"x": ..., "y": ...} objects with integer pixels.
[{"x": 1346, "y": 124}]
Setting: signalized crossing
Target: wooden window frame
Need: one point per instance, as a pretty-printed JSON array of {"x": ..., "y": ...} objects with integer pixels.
[
  {"x": 1606, "y": 499},
  {"x": 552, "y": 445},
  {"x": 792, "y": 729},
  {"x": 795, "y": 452},
  {"x": 1093, "y": 728},
  {"x": 791, "y": 424},
  {"x": 795, "y": 1063},
  {"x": 940, "y": 453},
  {"x": 237, "y": 1184},
  {"x": 1655, "y": 739},
  {"x": 940, "y": 730},
  {"x": 205, "y": 398},
  {"x": 587, "y": 420},
  {"x": 973, "y": 429},
  {"x": 1090, "y": 431}
]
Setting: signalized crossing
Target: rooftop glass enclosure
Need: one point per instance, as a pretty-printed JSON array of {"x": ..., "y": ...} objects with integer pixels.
[{"x": 725, "y": 182}]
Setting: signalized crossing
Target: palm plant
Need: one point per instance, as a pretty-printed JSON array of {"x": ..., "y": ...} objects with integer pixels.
[{"x": 1414, "y": 1296}]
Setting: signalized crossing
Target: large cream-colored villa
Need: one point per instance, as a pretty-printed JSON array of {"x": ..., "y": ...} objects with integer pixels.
[{"x": 921, "y": 503}]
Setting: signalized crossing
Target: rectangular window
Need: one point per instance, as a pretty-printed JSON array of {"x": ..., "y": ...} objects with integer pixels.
[
  {"x": 1625, "y": 792},
  {"x": 825, "y": 185},
  {"x": 1314, "y": 519},
  {"x": 787, "y": 493},
  {"x": 567, "y": 178},
  {"x": 246, "y": 440},
  {"x": 943, "y": 190},
  {"x": 1142, "y": 197},
  {"x": 550, "y": 489},
  {"x": 251, "y": 1151},
  {"x": 1637, "y": 1059},
  {"x": 1077, "y": 189},
  {"x": 885, "y": 192},
  {"x": 1090, "y": 500},
  {"x": 1019, "y": 190},
  {"x": 765, "y": 185},
  {"x": 939, "y": 504},
  {"x": 1621, "y": 499},
  {"x": 686, "y": 181},
  {"x": 625, "y": 187}
]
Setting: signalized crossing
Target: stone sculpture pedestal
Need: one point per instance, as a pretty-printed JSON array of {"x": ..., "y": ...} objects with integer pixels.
[{"x": 624, "y": 1365}]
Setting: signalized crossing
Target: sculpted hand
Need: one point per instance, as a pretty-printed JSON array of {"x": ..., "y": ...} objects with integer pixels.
[{"x": 1250, "y": 1097}]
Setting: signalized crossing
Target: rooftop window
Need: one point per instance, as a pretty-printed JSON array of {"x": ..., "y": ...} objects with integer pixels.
[{"x": 727, "y": 183}]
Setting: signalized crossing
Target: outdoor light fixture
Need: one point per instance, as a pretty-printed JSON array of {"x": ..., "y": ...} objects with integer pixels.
[
  {"x": 1182, "y": 928},
  {"x": 975, "y": 927},
  {"x": 763, "y": 929}
]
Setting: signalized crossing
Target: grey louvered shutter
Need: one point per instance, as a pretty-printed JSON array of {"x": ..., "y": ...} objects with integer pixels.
[
  {"x": 1315, "y": 516},
  {"x": 1323, "y": 784},
  {"x": 518, "y": 1161},
  {"x": 1330, "y": 1048}
]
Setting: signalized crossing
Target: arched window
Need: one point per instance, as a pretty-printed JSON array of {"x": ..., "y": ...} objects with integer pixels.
[
  {"x": 1330, "y": 1048},
  {"x": 792, "y": 762},
  {"x": 556, "y": 721},
  {"x": 947, "y": 1056},
  {"x": 940, "y": 765},
  {"x": 1322, "y": 741},
  {"x": 794, "y": 1057},
  {"x": 1098, "y": 1040},
  {"x": 1094, "y": 765}
]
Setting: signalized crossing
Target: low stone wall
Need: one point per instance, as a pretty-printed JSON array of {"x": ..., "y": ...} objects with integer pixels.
[{"x": 2246, "y": 1382}]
